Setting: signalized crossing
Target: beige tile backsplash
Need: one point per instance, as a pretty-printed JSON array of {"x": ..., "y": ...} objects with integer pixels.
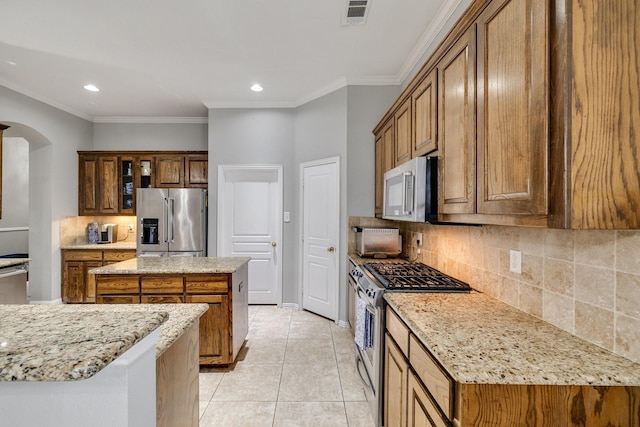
[
  {"x": 585, "y": 282},
  {"x": 73, "y": 229}
]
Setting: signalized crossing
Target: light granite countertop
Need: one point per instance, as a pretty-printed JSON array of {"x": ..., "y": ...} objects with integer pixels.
[
  {"x": 62, "y": 343},
  {"x": 174, "y": 265},
  {"x": 481, "y": 340},
  {"x": 101, "y": 246},
  {"x": 9, "y": 262},
  {"x": 74, "y": 342}
]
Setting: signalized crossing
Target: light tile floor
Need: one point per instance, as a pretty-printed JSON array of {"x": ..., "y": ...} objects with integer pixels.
[{"x": 297, "y": 369}]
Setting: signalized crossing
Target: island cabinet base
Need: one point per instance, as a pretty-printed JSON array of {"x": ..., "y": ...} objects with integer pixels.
[
  {"x": 177, "y": 382},
  {"x": 540, "y": 405},
  {"x": 223, "y": 327}
]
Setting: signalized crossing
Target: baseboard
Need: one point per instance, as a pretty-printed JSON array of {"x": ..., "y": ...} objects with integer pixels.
[
  {"x": 343, "y": 324},
  {"x": 47, "y": 302}
]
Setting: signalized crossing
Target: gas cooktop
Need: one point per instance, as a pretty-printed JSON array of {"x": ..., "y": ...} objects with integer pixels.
[{"x": 414, "y": 277}]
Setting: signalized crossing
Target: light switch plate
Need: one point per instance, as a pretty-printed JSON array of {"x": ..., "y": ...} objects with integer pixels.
[{"x": 515, "y": 262}]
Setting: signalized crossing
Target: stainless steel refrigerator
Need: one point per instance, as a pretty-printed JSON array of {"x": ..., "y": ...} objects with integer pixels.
[{"x": 171, "y": 222}]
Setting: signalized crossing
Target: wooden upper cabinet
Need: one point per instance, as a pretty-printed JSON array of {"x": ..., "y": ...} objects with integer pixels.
[
  {"x": 196, "y": 171},
  {"x": 457, "y": 127},
  {"x": 170, "y": 171},
  {"x": 379, "y": 162},
  {"x": 98, "y": 190},
  {"x": 512, "y": 108},
  {"x": 388, "y": 147},
  {"x": 424, "y": 104},
  {"x": 403, "y": 141}
]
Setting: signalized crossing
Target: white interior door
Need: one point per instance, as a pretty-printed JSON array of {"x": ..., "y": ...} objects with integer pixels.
[
  {"x": 249, "y": 224},
  {"x": 320, "y": 233}
]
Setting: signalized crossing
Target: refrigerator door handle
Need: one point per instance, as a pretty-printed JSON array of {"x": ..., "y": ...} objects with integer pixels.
[
  {"x": 172, "y": 203},
  {"x": 165, "y": 215}
]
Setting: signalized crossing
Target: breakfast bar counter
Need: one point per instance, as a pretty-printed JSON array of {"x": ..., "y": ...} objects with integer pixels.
[{"x": 174, "y": 265}]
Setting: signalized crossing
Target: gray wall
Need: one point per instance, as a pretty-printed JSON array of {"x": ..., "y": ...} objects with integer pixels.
[
  {"x": 54, "y": 137},
  {"x": 150, "y": 136},
  {"x": 15, "y": 196},
  {"x": 256, "y": 137}
]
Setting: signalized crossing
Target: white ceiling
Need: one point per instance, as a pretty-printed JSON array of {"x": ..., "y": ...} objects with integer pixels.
[{"x": 175, "y": 58}]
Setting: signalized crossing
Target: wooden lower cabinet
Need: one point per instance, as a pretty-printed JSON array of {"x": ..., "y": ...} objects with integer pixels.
[
  {"x": 419, "y": 392},
  {"x": 223, "y": 327},
  {"x": 395, "y": 385},
  {"x": 214, "y": 329},
  {"x": 78, "y": 286}
]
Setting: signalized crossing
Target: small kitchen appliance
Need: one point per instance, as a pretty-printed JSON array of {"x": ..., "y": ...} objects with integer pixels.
[
  {"x": 108, "y": 233},
  {"x": 378, "y": 242},
  {"x": 373, "y": 279},
  {"x": 411, "y": 191}
]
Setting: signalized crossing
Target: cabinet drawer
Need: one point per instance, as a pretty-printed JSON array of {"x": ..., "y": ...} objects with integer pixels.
[
  {"x": 162, "y": 299},
  {"x": 88, "y": 255},
  {"x": 119, "y": 299},
  {"x": 161, "y": 285},
  {"x": 438, "y": 383},
  {"x": 119, "y": 284},
  {"x": 398, "y": 330},
  {"x": 421, "y": 410},
  {"x": 214, "y": 283},
  {"x": 118, "y": 256}
]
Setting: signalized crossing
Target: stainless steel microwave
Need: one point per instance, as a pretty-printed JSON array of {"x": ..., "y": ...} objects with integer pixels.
[{"x": 411, "y": 191}]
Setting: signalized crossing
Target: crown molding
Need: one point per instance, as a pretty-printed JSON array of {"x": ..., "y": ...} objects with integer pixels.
[
  {"x": 250, "y": 104},
  {"x": 428, "y": 38},
  {"x": 168, "y": 120}
]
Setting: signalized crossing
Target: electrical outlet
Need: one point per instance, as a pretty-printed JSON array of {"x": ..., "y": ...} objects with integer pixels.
[
  {"x": 515, "y": 262},
  {"x": 130, "y": 227},
  {"x": 419, "y": 239}
]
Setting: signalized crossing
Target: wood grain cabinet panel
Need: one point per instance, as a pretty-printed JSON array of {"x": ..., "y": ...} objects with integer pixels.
[
  {"x": 424, "y": 102},
  {"x": 396, "y": 373},
  {"x": 457, "y": 124},
  {"x": 196, "y": 171},
  {"x": 214, "y": 329},
  {"x": 421, "y": 409},
  {"x": 161, "y": 284},
  {"x": 403, "y": 141},
  {"x": 108, "y": 186},
  {"x": 89, "y": 191},
  {"x": 207, "y": 284},
  {"x": 512, "y": 108},
  {"x": 170, "y": 171},
  {"x": 379, "y": 174}
]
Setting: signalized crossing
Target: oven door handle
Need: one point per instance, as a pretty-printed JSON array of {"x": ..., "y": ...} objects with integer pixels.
[
  {"x": 370, "y": 307},
  {"x": 367, "y": 381}
]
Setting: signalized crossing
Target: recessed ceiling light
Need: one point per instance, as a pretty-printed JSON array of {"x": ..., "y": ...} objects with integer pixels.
[
  {"x": 13, "y": 64},
  {"x": 91, "y": 88},
  {"x": 256, "y": 88}
]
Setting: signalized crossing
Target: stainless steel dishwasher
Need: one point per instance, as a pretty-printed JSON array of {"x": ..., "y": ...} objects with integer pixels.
[{"x": 13, "y": 284}]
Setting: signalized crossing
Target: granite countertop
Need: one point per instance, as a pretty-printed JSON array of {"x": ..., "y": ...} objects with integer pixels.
[
  {"x": 181, "y": 317},
  {"x": 101, "y": 246},
  {"x": 174, "y": 265},
  {"x": 62, "y": 343},
  {"x": 9, "y": 262},
  {"x": 481, "y": 340}
]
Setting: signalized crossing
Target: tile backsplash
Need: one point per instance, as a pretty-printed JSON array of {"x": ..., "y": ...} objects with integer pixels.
[
  {"x": 583, "y": 281},
  {"x": 73, "y": 229}
]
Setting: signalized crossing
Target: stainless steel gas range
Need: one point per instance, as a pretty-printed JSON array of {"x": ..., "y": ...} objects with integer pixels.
[{"x": 373, "y": 280}]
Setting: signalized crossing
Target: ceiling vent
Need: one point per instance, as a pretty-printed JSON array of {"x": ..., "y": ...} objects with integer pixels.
[{"x": 356, "y": 12}]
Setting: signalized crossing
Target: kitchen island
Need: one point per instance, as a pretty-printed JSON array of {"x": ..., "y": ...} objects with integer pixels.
[
  {"x": 219, "y": 282},
  {"x": 78, "y": 362},
  {"x": 487, "y": 363}
]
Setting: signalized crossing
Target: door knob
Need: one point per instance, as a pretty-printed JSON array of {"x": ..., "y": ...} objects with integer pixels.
[
  {"x": 274, "y": 244},
  {"x": 331, "y": 249}
]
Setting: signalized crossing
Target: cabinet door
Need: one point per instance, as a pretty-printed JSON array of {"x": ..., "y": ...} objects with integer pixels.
[
  {"x": 118, "y": 299},
  {"x": 108, "y": 184},
  {"x": 88, "y": 191},
  {"x": 389, "y": 147},
  {"x": 90, "y": 280},
  {"x": 403, "y": 132},
  {"x": 214, "y": 329},
  {"x": 424, "y": 105},
  {"x": 421, "y": 411},
  {"x": 169, "y": 171},
  {"x": 396, "y": 371},
  {"x": 379, "y": 174},
  {"x": 73, "y": 282},
  {"x": 197, "y": 171},
  {"x": 513, "y": 110},
  {"x": 457, "y": 124}
]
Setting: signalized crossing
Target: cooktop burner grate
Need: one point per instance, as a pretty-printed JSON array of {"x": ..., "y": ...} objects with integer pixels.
[{"x": 414, "y": 276}]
